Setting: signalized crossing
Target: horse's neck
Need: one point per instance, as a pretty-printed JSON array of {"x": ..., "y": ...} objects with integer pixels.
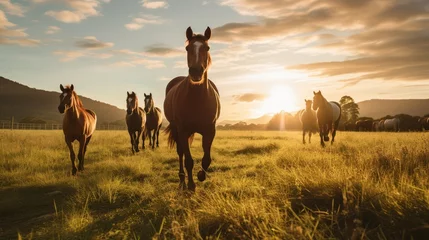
[
  {"x": 308, "y": 109},
  {"x": 324, "y": 104},
  {"x": 203, "y": 87},
  {"x": 73, "y": 112}
]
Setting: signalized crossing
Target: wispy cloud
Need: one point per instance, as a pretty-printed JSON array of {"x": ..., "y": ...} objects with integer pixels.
[
  {"x": 154, "y": 4},
  {"x": 139, "y": 22},
  {"x": 162, "y": 51},
  {"x": 79, "y": 10},
  {"x": 147, "y": 63},
  {"x": 12, "y": 8},
  {"x": 11, "y": 35},
  {"x": 67, "y": 56},
  {"x": 249, "y": 97},
  {"x": 52, "y": 30},
  {"x": 92, "y": 42}
]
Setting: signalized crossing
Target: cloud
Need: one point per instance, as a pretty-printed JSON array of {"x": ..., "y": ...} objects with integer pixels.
[
  {"x": 79, "y": 10},
  {"x": 12, "y": 8},
  {"x": 92, "y": 43},
  {"x": 14, "y": 36},
  {"x": 154, "y": 4},
  {"x": 147, "y": 63},
  {"x": 249, "y": 97},
  {"x": 386, "y": 40},
  {"x": 160, "y": 51},
  {"x": 139, "y": 22},
  {"x": 52, "y": 30},
  {"x": 67, "y": 56}
]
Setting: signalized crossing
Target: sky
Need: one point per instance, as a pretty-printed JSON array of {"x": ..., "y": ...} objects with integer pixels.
[{"x": 267, "y": 55}]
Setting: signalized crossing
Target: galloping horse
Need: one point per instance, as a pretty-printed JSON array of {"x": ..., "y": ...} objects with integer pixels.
[
  {"x": 153, "y": 120},
  {"x": 328, "y": 117},
  {"x": 78, "y": 124},
  {"x": 308, "y": 119},
  {"x": 136, "y": 120},
  {"x": 192, "y": 106}
]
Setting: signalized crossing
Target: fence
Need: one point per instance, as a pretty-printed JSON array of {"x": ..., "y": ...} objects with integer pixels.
[{"x": 51, "y": 126}]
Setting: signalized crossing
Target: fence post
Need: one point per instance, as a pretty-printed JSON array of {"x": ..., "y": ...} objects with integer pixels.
[{"x": 11, "y": 125}]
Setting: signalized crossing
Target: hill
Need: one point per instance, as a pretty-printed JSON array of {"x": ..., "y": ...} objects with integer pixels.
[
  {"x": 21, "y": 101},
  {"x": 260, "y": 120},
  {"x": 377, "y": 108}
]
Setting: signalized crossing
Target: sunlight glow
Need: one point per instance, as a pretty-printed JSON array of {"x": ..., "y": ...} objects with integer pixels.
[{"x": 281, "y": 98}]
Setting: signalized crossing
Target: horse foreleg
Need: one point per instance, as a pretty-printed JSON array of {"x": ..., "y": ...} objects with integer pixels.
[
  {"x": 189, "y": 162},
  {"x": 72, "y": 156},
  {"x": 132, "y": 136},
  {"x": 182, "y": 184},
  {"x": 322, "y": 135},
  {"x": 334, "y": 132},
  {"x": 157, "y": 136},
  {"x": 207, "y": 144},
  {"x": 139, "y": 133},
  {"x": 80, "y": 155},
  {"x": 153, "y": 138},
  {"x": 303, "y": 136}
]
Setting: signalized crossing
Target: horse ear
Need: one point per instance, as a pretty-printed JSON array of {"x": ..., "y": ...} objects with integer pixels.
[
  {"x": 150, "y": 94},
  {"x": 314, "y": 92},
  {"x": 208, "y": 33},
  {"x": 133, "y": 93},
  {"x": 62, "y": 88},
  {"x": 145, "y": 95},
  {"x": 128, "y": 94},
  {"x": 189, "y": 33},
  {"x": 71, "y": 87}
]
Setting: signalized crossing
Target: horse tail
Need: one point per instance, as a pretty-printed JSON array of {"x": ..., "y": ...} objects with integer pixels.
[
  {"x": 173, "y": 135},
  {"x": 337, "y": 122}
]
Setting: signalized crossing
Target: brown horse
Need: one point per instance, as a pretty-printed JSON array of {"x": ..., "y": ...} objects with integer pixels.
[
  {"x": 328, "y": 117},
  {"x": 136, "y": 120},
  {"x": 192, "y": 106},
  {"x": 78, "y": 124},
  {"x": 308, "y": 120},
  {"x": 153, "y": 120}
]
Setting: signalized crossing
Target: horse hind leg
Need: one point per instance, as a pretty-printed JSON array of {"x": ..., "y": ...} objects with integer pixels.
[
  {"x": 303, "y": 136},
  {"x": 72, "y": 156},
  {"x": 207, "y": 144}
]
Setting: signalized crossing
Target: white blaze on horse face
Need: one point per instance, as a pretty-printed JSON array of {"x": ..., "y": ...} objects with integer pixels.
[
  {"x": 129, "y": 100},
  {"x": 197, "y": 49},
  {"x": 64, "y": 95},
  {"x": 147, "y": 101}
]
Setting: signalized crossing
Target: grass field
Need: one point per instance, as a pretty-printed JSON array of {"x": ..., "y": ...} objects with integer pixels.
[{"x": 260, "y": 185}]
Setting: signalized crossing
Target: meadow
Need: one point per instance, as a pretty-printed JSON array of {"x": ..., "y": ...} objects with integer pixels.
[{"x": 261, "y": 185}]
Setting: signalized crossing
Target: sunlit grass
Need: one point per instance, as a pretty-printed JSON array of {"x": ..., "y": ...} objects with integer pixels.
[{"x": 261, "y": 185}]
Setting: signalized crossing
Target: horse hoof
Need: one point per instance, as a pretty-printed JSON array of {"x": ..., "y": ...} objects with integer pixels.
[
  {"x": 326, "y": 138},
  {"x": 182, "y": 186},
  {"x": 201, "y": 176},
  {"x": 191, "y": 187},
  {"x": 74, "y": 170}
]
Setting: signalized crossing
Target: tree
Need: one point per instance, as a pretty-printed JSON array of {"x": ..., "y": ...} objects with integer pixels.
[{"x": 350, "y": 109}]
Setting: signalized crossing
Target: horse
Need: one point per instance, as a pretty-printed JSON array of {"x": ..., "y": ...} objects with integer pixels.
[
  {"x": 364, "y": 125},
  {"x": 136, "y": 121},
  {"x": 328, "y": 117},
  {"x": 153, "y": 120},
  {"x": 192, "y": 106},
  {"x": 308, "y": 120},
  {"x": 79, "y": 124},
  {"x": 392, "y": 125},
  {"x": 424, "y": 123}
]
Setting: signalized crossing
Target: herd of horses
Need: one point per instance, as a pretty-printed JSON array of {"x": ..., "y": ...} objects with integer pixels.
[
  {"x": 191, "y": 106},
  {"x": 398, "y": 123}
]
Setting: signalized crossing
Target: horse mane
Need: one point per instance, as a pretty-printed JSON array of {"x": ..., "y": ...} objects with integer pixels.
[{"x": 77, "y": 99}]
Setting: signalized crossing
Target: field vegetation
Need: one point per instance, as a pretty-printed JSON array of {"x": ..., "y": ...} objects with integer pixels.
[{"x": 261, "y": 185}]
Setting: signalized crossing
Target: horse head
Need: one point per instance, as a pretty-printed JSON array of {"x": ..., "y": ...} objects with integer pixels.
[
  {"x": 317, "y": 99},
  {"x": 198, "y": 55},
  {"x": 148, "y": 103},
  {"x": 132, "y": 102},
  {"x": 66, "y": 98}
]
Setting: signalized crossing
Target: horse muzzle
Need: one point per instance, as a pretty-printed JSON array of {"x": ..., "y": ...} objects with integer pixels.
[
  {"x": 61, "y": 109},
  {"x": 129, "y": 111},
  {"x": 196, "y": 74}
]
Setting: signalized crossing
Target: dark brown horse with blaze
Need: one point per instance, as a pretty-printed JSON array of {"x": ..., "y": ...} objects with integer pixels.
[
  {"x": 192, "y": 106},
  {"x": 78, "y": 124},
  {"x": 136, "y": 120},
  {"x": 328, "y": 117},
  {"x": 153, "y": 120}
]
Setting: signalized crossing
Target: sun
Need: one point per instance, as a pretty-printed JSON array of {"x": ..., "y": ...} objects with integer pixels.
[{"x": 281, "y": 98}]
